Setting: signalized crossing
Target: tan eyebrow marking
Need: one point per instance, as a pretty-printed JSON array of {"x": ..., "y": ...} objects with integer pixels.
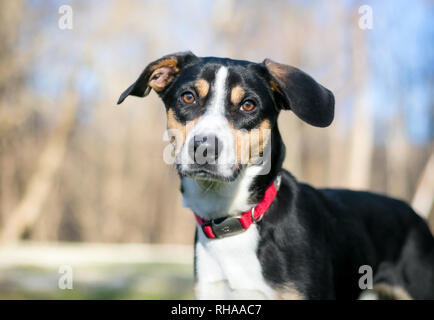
[
  {"x": 202, "y": 87},
  {"x": 237, "y": 94}
]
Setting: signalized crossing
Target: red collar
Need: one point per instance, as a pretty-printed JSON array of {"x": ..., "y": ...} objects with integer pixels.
[{"x": 228, "y": 226}]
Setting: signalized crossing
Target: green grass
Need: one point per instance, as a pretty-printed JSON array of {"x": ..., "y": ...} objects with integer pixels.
[{"x": 112, "y": 281}]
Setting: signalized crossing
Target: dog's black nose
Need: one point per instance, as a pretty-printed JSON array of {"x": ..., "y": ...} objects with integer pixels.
[{"x": 206, "y": 149}]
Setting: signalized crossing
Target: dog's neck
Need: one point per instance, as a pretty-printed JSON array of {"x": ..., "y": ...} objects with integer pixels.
[{"x": 212, "y": 200}]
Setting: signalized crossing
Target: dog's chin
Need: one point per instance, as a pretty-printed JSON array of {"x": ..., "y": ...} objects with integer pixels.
[{"x": 208, "y": 173}]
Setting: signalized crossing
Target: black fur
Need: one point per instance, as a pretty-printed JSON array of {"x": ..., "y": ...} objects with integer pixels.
[{"x": 318, "y": 239}]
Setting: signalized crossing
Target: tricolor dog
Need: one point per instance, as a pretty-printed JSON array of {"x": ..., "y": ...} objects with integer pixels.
[{"x": 261, "y": 234}]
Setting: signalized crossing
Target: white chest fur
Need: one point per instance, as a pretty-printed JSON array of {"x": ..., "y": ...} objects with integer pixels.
[{"x": 228, "y": 268}]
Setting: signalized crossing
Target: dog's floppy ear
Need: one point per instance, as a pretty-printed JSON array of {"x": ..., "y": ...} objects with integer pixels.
[
  {"x": 158, "y": 74},
  {"x": 310, "y": 101}
]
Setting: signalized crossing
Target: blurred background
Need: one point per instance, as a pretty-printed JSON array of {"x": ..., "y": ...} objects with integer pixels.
[{"x": 83, "y": 182}]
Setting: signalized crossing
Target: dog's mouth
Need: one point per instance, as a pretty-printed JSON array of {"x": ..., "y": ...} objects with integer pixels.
[{"x": 208, "y": 172}]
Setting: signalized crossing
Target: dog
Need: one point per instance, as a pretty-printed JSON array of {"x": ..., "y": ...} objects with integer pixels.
[{"x": 261, "y": 234}]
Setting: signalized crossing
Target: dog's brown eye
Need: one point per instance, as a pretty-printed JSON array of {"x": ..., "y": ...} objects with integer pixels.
[
  {"x": 188, "y": 97},
  {"x": 248, "y": 105}
]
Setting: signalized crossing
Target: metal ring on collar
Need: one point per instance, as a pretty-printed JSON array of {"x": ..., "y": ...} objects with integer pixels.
[{"x": 253, "y": 216}]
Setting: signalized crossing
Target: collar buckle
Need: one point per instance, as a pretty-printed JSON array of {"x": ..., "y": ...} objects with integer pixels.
[
  {"x": 229, "y": 226},
  {"x": 225, "y": 227}
]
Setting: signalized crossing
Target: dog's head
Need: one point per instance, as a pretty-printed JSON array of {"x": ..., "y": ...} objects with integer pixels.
[{"x": 223, "y": 111}]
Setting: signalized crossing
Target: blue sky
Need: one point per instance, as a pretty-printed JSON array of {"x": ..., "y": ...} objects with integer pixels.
[{"x": 402, "y": 62}]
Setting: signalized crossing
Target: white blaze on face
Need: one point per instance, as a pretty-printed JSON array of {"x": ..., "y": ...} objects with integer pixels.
[
  {"x": 214, "y": 122},
  {"x": 217, "y": 105}
]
